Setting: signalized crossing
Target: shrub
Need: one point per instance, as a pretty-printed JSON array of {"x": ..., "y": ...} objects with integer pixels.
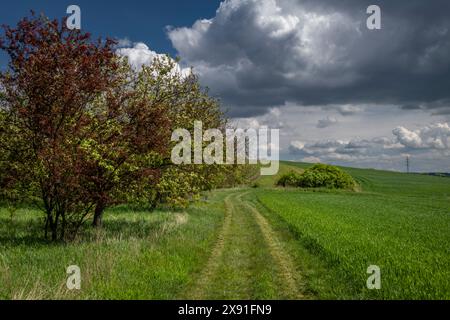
[
  {"x": 326, "y": 176},
  {"x": 290, "y": 179},
  {"x": 318, "y": 176}
]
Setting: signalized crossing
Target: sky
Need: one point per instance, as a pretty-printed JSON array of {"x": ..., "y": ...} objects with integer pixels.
[
  {"x": 339, "y": 92},
  {"x": 136, "y": 20}
]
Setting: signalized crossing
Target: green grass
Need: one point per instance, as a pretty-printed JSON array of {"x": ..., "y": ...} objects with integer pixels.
[
  {"x": 248, "y": 276},
  {"x": 244, "y": 265},
  {"x": 138, "y": 255},
  {"x": 326, "y": 241},
  {"x": 399, "y": 222}
]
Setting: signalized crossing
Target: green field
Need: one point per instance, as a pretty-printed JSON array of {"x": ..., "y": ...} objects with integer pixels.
[
  {"x": 138, "y": 255},
  {"x": 399, "y": 222},
  {"x": 249, "y": 243}
]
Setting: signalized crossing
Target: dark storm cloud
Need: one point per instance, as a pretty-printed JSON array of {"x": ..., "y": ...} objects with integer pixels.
[
  {"x": 439, "y": 107},
  {"x": 258, "y": 54},
  {"x": 327, "y": 122},
  {"x": 411, "y": 107}
]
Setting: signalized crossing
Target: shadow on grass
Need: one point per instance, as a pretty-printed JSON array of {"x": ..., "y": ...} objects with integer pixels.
[
  {"x": 120, "y": 224},
  {"x": 22, "y": 232}
]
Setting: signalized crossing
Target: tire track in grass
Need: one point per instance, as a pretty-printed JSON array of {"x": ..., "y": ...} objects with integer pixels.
[
  {"x": 245, "y": 271},
  {"x": 287, "y": 271},
  {"x": 213, "y": 264},
  {"x": 248, "y": 260},
  {"x": 239, "y": 266}
]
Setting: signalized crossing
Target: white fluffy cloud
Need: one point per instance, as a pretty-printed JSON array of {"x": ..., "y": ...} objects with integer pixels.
[
  {"x": 380, "y": 153},
  {"x": 428, "y": 147},
  {"x": 140, "y": 54},
  {"x": 272, "y": 120},
  {"x": 435, "y": 136},
  {"x": 342, "y": 149}
]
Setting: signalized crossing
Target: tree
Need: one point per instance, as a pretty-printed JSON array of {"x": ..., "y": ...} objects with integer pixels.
[
  {"x": 81, "y": 130},
  {"x": 127, "y": 151},
  {"x": 187, "y": 102},
  {"x": 76, "y": 128}
]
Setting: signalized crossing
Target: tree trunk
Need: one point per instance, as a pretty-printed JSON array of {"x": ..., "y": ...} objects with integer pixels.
[
  {"x": 46, "y": 228},
  {"x": 98, "y": 215},
  {"x": 63, "y": 227},
  {"x": 52, "y": 226},
  {"x": 54, "y": 230}
]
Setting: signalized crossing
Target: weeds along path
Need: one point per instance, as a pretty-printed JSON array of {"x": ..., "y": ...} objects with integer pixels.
[{"x": 248, "y": 261}]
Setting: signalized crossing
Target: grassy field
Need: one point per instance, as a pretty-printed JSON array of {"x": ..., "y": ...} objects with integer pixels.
[
  {"x": 399, "y": 222},
  {"x": 138, "y": 255},
  {"x": 250, "y": 243}
]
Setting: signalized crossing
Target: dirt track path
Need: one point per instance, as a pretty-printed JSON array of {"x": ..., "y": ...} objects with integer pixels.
[
  {"x": 213, "y": 263},
  {"x": 248, "y": 260}
]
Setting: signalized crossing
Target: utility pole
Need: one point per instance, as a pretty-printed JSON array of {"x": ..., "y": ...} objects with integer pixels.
[{"x": 407, "y": 164}]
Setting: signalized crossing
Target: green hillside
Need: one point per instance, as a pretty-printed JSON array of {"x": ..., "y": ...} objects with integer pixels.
[{"x": 399, "y": 222}]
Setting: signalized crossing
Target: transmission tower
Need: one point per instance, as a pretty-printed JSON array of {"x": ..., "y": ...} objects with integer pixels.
[{"x": 407, "y": 164}]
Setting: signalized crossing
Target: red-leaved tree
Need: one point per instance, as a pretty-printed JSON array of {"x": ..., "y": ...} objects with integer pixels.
[{"x": 75, "y": 131}]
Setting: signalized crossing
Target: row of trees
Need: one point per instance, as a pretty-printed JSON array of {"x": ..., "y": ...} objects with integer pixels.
[{"x": 80, "y": 130}]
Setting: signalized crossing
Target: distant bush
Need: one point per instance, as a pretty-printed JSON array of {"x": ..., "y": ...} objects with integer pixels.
[
  {"x": 326, "y": 176},
  {"x": 319, "y": 176},
  {"x": 290, "y": 179}
]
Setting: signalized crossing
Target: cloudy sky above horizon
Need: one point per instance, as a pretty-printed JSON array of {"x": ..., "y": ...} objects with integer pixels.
[{"x": 338, "y": 92}]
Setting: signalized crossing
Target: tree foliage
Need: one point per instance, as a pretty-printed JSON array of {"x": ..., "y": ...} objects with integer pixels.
[
  {"x": 319, "y": 176},
  {"x": 74, "y": 126},
  {"x": 81, "y": 130},
  {"x": 188, "y": 102}
]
